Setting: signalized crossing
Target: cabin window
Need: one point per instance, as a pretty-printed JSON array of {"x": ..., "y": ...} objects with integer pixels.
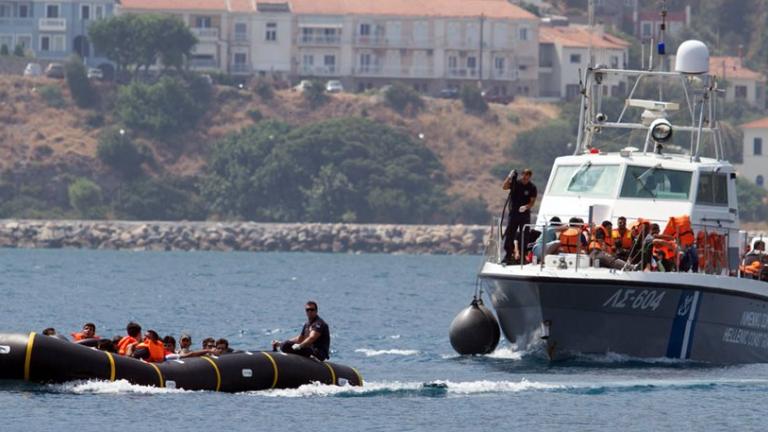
[
  {"x": 713, "y": 189},
  {"x": 656, "y": 183},
  {"x": 585, "y": 180}
]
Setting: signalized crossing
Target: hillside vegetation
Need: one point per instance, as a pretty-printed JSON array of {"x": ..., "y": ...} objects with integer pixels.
[{"x": 49, "y": 146}]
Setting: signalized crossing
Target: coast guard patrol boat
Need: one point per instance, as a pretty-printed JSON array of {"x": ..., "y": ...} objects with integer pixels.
[{"x": 566, "y": 305}]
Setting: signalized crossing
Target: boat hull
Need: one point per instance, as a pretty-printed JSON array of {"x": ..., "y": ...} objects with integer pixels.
[{"x": 596, "y": 315}]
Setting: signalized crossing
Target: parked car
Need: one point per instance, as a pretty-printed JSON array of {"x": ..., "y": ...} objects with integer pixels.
[
  {"x": 55, "y": 70},
  {"x": 33, "y": 70},
  {"x": 334, "y": 86},
  {"x": 303, "y": 85},
  {"x": 95, "y": 73},
  {"x": 449, "y": 93}
]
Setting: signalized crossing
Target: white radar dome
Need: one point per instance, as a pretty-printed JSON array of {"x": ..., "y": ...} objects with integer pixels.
[{"x": 692, "y": 58}]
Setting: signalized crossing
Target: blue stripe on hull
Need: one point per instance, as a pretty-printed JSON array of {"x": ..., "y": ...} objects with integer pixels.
[{"x": 684, "y": 324}]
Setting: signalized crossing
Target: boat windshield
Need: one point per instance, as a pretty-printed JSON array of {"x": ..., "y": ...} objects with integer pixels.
[
  {"x": 656, "y": 183},
  {"x": 585, "y": 180}
]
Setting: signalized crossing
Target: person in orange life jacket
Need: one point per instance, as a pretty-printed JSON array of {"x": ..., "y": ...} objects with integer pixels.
[
  {"x": 314, "y": 339},
  {"x": 659, "y": 250},
  {"x": 573, "y": 238},
  {"x": 150, "y": 349},
  {"x": 522, "y": 197},
  {"x": 134, "y": 333},
  {"x": 601, "y": 247},
  {"x": 679, "y": 229},
  {"x": 622, "y": 239},
  {"x": 88, "y": 332},
  {"x": 754, "y": 262}
]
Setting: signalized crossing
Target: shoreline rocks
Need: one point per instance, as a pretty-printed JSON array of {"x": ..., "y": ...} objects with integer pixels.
[{"x": 244, "y": 236}]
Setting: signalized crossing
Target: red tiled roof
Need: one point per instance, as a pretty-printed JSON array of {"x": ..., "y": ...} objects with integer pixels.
[
  {"x": 731, "y": 67},
  {"x": 166, "y": 5},
  {"x": 756, "y": 124},
  {"x": 579, "y": 37},
  {"x": 437, "y": 8}
]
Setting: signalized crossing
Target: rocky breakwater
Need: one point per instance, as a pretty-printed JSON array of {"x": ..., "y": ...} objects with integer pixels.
[{"x": 244, "y": 236}]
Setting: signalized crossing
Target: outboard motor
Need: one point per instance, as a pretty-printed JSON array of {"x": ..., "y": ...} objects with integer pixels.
[{"x": 475, "y": 329}]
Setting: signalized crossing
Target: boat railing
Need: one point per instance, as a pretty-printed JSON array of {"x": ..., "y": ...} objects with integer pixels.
[{"x": 709, "y": 253}]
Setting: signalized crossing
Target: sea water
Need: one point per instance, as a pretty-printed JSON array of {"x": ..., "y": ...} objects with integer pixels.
[{"x": 389, "y": 317}]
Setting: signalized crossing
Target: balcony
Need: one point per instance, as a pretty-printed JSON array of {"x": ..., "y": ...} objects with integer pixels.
[
  {"x": 462, "y": 72},
  {"x": 318, "y": 70},
  {"x": 504, "y": 74},
  {"x": 374, "y": 41},
  {"x": 395, "y": 72},
  {"x": 240, "y": 68},
  {"x": 206, "y": 33},
  {"x": 204, "y": 63},
  {"x": 7, "y": 23},
  {"x": 319, "y": 40},
  {"x": 52, "y": 24}
]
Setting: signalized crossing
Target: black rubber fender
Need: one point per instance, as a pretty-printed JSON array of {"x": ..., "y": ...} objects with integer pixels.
[{"x": 43, "y": 359}]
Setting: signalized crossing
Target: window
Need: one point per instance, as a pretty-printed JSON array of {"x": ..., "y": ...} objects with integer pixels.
[
  {"x": 271, "y": 34},
  {"x": 453, "y": 62},
  {"x": 85, "y": 12},
  {"x": 522, "y": 67},
  {"x": 203, "y": 22},
  {"x": 575, "y": 58},
  {"x": 241, "y": 31},
  {"x": 45, "y": 43},
  {"x": 646, "y": 29},
  {"x": 52, "y": 11},
  {"x": 365, "y": 62},
  {"x": 24, "y": 41},
  {"x": 713, "y": 189},
  {"x": 365, "y": 29},
  {"x": 308, "y": 60},
  {"x": 5, "y": 10},
  {"x": 7, "y": 42},
  {"x": 498, "y": 63},
  {"x": 329, "y": 61},
  {"x": 757, "y": 146},
  {"x": 615, "y": 62},
  {"x": 59, "y": 43},
  {"x": 759, "y": 181},
  {"x": 25, "y": 11},
  {"x": 523, "y": 34},
  {"x": 240, "y": 58},
  {"x": 471, "y": 62},
  {"x": 656, "y": 183},
  {"x": 98, "y": 11},
  {"x": 740, "y": 92},
  {"x": 585, "y": 180}
]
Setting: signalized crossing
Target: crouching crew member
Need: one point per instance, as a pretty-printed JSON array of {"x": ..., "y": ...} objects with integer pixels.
[{"x": 314, "y": 339}]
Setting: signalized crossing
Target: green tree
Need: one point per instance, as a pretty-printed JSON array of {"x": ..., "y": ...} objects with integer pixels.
[
  {"x": 85, "y": 197},
  {"x": 118, "y": 151},
  {"x": 473, "y": 100},
  {"x": 340, "y": 169},
  {"x": 79, "y": 86},
  {"x": 753, "y": 201},
  {"x": 539, "y": 147},
  {"x": 18, "y": 51},
  {"x": 158, "y": 199},
  {"x": 136, "y": 41},
  {"x": 315, "y": 94},
  {"x": 4, "y": 50},
  {"x": 400, "y": 97},
  {"x": 164, "y": 108}
]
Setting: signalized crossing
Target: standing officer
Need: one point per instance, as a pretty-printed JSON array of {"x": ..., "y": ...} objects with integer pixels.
[{"x": 522, "y": 196}]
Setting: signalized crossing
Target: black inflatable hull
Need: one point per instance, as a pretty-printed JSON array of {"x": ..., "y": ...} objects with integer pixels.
[{"x": 44, "y": 359}]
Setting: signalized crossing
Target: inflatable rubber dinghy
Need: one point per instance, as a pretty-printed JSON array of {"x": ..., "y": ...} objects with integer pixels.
[{"x": 45, "y": 359}]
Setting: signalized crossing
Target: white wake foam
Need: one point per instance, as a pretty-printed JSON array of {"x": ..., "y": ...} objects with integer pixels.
[
  {"x": 373, "y": 353},
  {"x": 109, "y": 387}
]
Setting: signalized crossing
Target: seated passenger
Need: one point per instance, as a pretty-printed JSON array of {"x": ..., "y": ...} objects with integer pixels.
[
  {"x": 622, "y": 239},
  {"x": 571, "y": 237},
  {"x": 185, "y": 344},
  {"x": 661, "y": 249},
  {"x": 50, "y": 331},
  {"x": 150, "y": 349},
  {"x": 754, "y": 262},
  {"x": 550, "y": 239},
  {"x": 105, "y": 345},
  {"x": 601, "y": 247},
  {"x": 134, "y": 332},
  {"x": 88, "y": 332},
  {"x": 222, "y": 347},
  {"x": 209, "y": 343}
]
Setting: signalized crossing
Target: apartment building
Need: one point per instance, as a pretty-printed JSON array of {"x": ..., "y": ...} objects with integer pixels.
[
  {"x": 430, "y": 44},
  {"x": 565, "y": 51},
  {"x": 743, "y": 84},
  {"x": 52, "y": 30},
  {"x": 755, "y": 154}
]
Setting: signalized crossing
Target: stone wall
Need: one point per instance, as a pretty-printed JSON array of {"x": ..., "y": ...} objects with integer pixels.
[{"x": 244, "y": 236}]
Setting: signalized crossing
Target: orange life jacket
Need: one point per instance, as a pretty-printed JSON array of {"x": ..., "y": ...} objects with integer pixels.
[
  {"x": 595, "y": 244},
  {"x": 753, "y": 269},
  {"x": 679, "y": 227},
  {"x": 625, "y": 240},
  {"x": 155, "y": 348},
  {"x": 570, "y": 240},
  {"x": 80, "y": 336},
  {"x": 122, "y": 346},
  {"x": 667, "y": 247},
  {"x": 711, "y": 251}
]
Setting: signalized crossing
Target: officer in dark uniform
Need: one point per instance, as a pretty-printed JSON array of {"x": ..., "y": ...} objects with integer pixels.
[
  {"x": 522, "y": 197},
  {"x": 314, "y": 339}
]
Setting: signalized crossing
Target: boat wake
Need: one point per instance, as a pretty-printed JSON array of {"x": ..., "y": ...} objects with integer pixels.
[{"x": 374, "y": 353}]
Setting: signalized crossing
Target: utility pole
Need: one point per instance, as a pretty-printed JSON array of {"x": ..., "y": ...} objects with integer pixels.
[{"x": 480, "y": 59}]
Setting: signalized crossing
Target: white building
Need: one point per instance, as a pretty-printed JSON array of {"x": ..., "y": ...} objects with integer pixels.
[
  {"x": 432, "y": 44},
  {"x": 564, "y": 51},
  {"x": 743, "y": 84},
  {"x": 755, "y": 153}
]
